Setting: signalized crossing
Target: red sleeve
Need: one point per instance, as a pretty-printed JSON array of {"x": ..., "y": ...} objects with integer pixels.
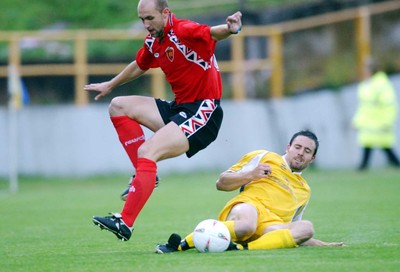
[
  {"x": 197, "y": 37},
  {"x": 145, "y": 60}
]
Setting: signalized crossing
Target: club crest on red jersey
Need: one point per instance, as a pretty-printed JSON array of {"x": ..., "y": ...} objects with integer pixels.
[{"x": 170, "y": 53}]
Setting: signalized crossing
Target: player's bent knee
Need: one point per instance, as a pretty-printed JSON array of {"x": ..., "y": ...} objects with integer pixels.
[
  {"x": 310, "y": 227},
  {"x": 116, "y": 106},
  {"x": 301, "y": 231},
  {"x": 244, "y": 230}
]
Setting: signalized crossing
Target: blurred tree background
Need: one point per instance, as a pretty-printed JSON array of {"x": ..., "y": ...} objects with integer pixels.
[
  {"x": 313, "y": 59},
  {"x": 77, "y": 14}
]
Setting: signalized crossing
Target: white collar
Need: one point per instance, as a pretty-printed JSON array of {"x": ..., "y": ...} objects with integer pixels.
[{"x": 284, "y": 159}]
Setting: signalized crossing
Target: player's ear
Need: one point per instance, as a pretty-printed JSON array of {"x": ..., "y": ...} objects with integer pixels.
[
  {"x": 165, "y": 14},
  {"x": 166, "y": 11}
]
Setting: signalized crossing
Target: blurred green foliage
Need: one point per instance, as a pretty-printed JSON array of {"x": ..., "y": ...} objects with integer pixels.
[
  {"x": 77, "y": 14},
  {"x": 316, "y": 58},
  {"x": 36, "y": 15}
]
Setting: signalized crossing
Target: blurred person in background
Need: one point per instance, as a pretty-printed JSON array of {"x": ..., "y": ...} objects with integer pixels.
[
  {"x": 184, "y": 50},
  {"x": 376, "y": 115}
]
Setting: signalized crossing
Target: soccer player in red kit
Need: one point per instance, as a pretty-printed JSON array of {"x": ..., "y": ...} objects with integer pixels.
[{"x": 184, "y": 50}]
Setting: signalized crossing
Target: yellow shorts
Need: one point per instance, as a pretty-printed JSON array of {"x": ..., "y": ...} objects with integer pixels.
[{"x": 265, "y": 217}]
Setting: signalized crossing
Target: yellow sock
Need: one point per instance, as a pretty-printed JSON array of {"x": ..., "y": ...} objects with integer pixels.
[
  {"x": 230, "y": 225},
  {"x": 275, "y": 239},
  {"x": 189, "y": 241}
]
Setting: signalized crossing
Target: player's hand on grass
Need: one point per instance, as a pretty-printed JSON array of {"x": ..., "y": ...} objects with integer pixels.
[
  {"x": 316, "y": 242},
  {"x": 335, "y": 244}
]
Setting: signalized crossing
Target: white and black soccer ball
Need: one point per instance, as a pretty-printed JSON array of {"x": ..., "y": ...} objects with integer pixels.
[{"x": 211, "y": 236}]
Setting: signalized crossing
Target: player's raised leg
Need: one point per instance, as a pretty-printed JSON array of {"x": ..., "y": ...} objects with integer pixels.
[
  {"x": 127, "y": 120},
  {"x": 127, "y": 114},
  {"x": 153, "y": 150}
]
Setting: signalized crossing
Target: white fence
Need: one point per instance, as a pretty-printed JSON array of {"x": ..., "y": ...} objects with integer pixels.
[{"x": 64, "y": 140}]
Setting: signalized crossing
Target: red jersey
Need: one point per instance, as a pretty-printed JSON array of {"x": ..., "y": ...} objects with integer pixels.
[{"x": 186, "y": 56}]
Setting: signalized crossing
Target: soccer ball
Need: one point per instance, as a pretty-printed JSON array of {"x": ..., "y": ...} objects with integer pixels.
[{"x": 211, "y": 236}]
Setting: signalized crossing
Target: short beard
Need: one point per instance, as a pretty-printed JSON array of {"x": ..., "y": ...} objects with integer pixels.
[
  {"x": 298, "y": 169},
  {"x": 159, "y": 34}
]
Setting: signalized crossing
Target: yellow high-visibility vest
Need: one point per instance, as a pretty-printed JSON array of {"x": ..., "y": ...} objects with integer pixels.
[{"x": 377, "y": 111}]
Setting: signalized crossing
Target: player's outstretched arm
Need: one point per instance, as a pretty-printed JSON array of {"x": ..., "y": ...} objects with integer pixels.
[
  {"x": 131, "y": 72},
  {"x": 316, "y": 242},
  {"x": 233, "y": 26}
]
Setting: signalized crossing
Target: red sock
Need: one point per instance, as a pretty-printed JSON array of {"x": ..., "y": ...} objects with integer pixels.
[
  {"x": 140, "y": 190},
  {"x": 130, "y": 134}
]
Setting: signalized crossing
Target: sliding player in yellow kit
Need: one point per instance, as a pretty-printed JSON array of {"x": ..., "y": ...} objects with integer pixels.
[{"x": 267, "y": 214}]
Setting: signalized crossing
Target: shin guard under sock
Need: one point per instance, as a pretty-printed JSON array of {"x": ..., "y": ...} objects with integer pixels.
[
  {"x": 231, "y": 227},
  {"x": 281, "y": 238},
  {"x": 141, "y": 188},
  {"x": 130, "y": 134}
]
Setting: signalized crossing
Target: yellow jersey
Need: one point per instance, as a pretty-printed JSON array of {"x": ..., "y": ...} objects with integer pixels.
[{"x": 283, "y": 192}]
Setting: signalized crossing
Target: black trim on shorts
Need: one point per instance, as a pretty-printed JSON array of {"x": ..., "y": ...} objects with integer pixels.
[{"x": 200, "y": 121}]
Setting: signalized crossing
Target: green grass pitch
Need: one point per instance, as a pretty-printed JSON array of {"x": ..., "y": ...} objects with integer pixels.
[{"x": 47, "y": 225}]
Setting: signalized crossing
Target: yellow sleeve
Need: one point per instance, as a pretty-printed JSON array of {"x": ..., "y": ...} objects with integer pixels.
[{"x": 248, "y": 161}]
